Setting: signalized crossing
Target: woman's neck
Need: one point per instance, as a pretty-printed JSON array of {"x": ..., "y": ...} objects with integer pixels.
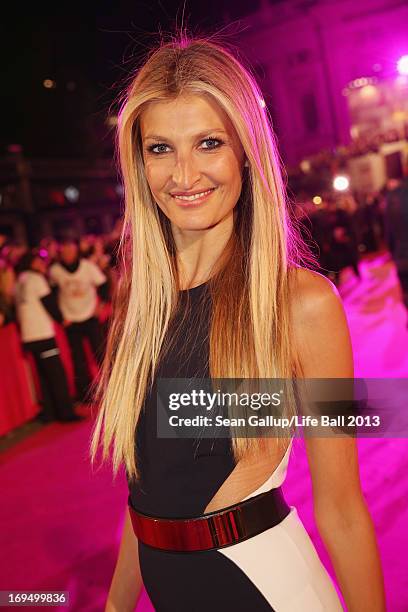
[{"x": 199, "y": 251}]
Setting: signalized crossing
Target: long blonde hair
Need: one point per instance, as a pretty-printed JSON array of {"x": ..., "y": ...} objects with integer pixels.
[{"x": 250, "y": 325}]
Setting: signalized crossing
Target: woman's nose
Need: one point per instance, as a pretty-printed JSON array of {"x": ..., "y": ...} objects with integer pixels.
[{"x": 186, "y": 172}]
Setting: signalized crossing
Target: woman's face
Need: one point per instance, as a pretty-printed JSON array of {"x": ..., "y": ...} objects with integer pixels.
[{"x": 190, "y": 147}]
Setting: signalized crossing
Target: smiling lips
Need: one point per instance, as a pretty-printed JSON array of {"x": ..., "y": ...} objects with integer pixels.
[{"x": 196, "y": 198}]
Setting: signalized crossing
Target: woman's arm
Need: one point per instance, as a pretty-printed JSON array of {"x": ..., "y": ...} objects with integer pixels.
[
  {"x": 324, "y": 348},
  {"x": 127, "y": 580}
]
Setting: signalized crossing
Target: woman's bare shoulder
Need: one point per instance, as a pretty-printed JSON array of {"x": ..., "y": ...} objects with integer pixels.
[
  {"x": 319, "y": 326},
  {"x": 312, "y": 294}
]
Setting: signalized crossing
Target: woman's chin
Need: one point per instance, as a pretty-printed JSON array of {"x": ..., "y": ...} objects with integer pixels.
[
  {"x": 191, "y": 224},
  {"x": 194, "y": 227}
]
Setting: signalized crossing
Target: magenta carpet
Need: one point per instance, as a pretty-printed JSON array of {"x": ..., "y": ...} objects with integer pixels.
[{"x": 61, "y": 522}]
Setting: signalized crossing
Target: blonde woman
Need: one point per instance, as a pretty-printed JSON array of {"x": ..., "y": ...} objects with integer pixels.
[{"x": 216, "y": 289}]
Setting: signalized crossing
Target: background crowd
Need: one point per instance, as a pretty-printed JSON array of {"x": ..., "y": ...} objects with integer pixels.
[
  {"x": 341, "y": 229},
  {"x": 60, "y": 287},
  {"x": 69, "y": 283}
]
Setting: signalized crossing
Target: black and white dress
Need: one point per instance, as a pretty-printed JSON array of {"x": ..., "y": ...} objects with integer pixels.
[{"x": 278, "y": 569}]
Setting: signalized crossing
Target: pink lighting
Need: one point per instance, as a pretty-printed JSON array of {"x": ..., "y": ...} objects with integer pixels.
[
  {"x": 402, "y": 65},
  {"x": 14, "y": 148}
]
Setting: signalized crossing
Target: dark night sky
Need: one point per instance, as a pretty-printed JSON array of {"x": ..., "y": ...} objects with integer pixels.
[{"x": 88, "y": 50}]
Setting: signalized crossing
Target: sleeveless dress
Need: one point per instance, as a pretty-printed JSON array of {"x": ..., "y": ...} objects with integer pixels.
[{"x": 278, "y": 570}]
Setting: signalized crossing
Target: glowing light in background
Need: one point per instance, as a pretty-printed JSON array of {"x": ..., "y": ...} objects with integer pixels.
[
  {"x": 341, "y": 183},
  {"x": 305, "y": 166},
  {"x": 369, "y": 91},
  {"x": 71, "y": 193},
  {"x": 359, "y": 83},
  {"x": 49, "y": 84},
  {"x": 262, "y": 103},
  {"x": 14, "y": 148},
  {"x": 317, "y": 200},
  {"x": 401, "y": 80},
  {"x": 402, "y": 65},
  {"x": 399, "y": 116},
  {"x": 112, "y": 120}
]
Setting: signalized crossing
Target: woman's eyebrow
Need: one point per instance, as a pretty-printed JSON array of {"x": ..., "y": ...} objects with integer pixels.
[{"x": 199, "y": 135}]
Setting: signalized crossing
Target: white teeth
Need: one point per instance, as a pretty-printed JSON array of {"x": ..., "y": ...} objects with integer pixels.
[{"x": 193, "y": 197}]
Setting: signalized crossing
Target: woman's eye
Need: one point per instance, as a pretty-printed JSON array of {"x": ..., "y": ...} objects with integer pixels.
[
  {"x": 212, "y": 140},
  {"x": 157, "y": 146}
]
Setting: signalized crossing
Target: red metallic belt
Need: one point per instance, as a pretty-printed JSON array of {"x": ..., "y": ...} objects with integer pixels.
[{"x": 213, "y": 530}]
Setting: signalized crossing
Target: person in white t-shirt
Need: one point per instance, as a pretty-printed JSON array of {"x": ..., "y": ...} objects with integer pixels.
[
  {"x": 36, "y": 308},
  {"x": 81, "y": 286}
]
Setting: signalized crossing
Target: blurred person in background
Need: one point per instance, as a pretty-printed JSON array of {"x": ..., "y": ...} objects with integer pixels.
[
  {"x": 7, "y": 283},
  {"x": 13, "y": 250},
  {"x": 80, "y": 282},
  {"x": 85, "y": 246},
  {"x": 50, "y": 246},
  {"x": 339, "y": 240},
  {"x": 93, "y": 248},
  {"x": 3, "y": 241},
  {"x": 112, "y": 246},
  {"x": 99, "y": 255},
  {"x": 368, "y": 222},
  {"x": 36, "y": 308},
  {"x": 396, "y": 229}
]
